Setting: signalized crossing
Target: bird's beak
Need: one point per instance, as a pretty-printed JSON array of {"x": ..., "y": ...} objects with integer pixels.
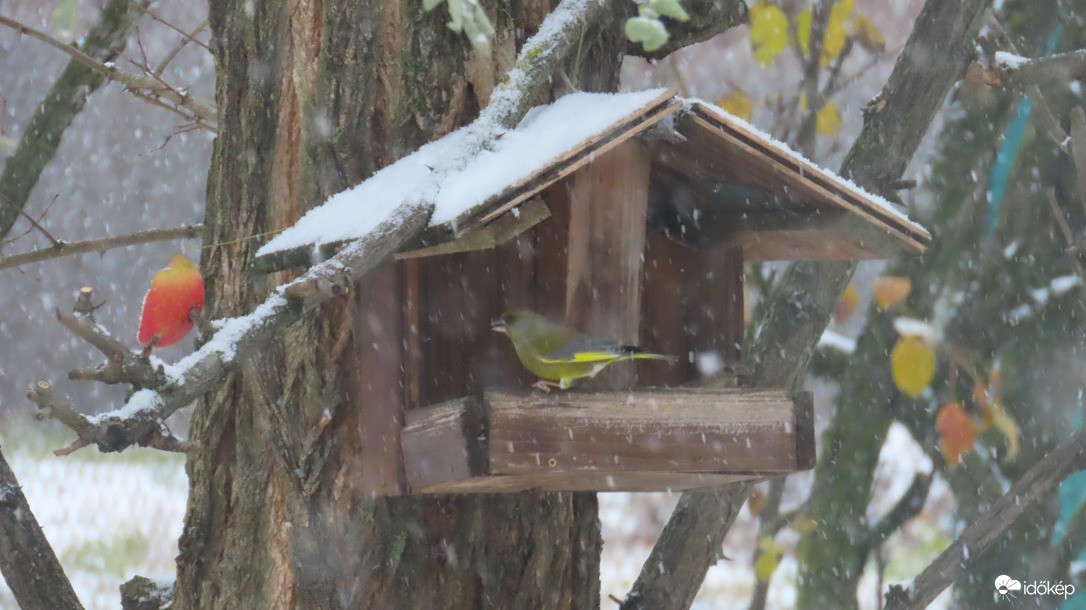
[{"x": 498, "y": 326}]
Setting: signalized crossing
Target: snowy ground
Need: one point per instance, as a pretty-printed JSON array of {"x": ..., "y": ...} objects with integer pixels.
[{"x": 111, "y": 517}]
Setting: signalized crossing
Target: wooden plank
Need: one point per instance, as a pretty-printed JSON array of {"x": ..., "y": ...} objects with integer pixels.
[
  {"x": 594, "y": 482},
  {"x": 376, "y": 387},
  {"x": 444, "y": 443},
  {"x": 805, "y": 431},
  {"x": 768, "y": 229},
  {"x": 619, "y": 132},
  {"x": 499, "y": 231},
  {"x": 812, "y": 177},
  {"x": 608, "y": 204},
  {"x": 646, "y": 431},
  {"x": 692, "y": 307},
  {"x": 717, "y": 154}
]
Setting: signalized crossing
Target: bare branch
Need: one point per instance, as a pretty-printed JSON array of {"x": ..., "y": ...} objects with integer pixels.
[
  {"x": 188, "y": 37},
  {"x": 180, "y": 103},
  {"x": 1017, "y": 72},
  {"x": 65, "y": 100},
  {"x": 1066, "y": 458},
  {"x": 28, "y": 563},
  {"x": 909, "y": 506},
  {"x": 181, "y": 45},
  {"x": 103, "y": 244}
]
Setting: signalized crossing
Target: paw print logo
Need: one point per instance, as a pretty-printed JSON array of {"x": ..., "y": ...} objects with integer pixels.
[{"x": 1006, "y": 586}]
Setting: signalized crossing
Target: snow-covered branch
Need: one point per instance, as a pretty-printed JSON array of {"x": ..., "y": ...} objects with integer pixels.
[
  {"x": 163, "y": 389},
  {"x": 1008, "y": 69}
]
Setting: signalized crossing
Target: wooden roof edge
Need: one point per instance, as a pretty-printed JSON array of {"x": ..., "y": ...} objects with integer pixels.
[
  {"x": 852, "y": 196},
  {"x": 619, "y": 132}
]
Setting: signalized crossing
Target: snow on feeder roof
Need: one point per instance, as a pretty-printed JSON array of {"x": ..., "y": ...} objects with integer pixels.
[{"x": 715, "y": 178}]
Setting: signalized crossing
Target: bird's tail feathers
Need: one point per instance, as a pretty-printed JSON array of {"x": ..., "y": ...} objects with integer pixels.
[{"x": 639, "y": 354}]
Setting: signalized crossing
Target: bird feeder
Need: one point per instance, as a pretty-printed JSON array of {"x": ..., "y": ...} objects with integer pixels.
[{"x": 637, "y": 231}]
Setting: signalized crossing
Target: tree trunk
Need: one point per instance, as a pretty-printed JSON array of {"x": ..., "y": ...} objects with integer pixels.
[{"x": 313, "y": 98}]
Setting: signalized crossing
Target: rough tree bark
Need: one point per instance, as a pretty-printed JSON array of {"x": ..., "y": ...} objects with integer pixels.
[{"x": 314, "y": 97}]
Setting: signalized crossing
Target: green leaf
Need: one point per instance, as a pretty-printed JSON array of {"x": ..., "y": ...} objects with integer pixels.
[
  {"x": 429, "y": 5},
  {"x": 670, "y": 8},
  {"x": 64, "y": 18},
  {"x": 651, "y": 33}
]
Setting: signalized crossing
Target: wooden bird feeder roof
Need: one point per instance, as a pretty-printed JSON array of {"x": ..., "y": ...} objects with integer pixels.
[{"x": 714, "y": 179}]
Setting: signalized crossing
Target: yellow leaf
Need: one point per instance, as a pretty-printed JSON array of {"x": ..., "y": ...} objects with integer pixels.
[
  {"x": 770, "y": 559},
  {"x": 890, "y": 291},
  {"x": 737, "y": 103},
  {"x": 1006, "y": 426},
  {"x": 868, "y": 35},
  {"x": 847, "y": 305},
  {"x": 803, "y": 524},
  {"x": 803, "y": 31},
  {"x": 828, "y": 120},
  {"x": 768, "y": 32},
  {"x": 833, "y": 40},
  {"x": 912, "y": 365},
  {"x": 836, "y": 33}
]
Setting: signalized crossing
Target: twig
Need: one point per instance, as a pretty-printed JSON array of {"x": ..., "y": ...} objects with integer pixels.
[
  {"x": 28, "y": 563},
  {"x": 196, "y": 109},
  {"x": 909, "y": 506},
  {"x": 1053, "y": 468},
  {"x": 62, "y": 248},
  {"x": 181, "y": 45},
  {"x": 189, "y": 37},
  {"x": 58, "y": 108},
  {"x": 34, "y": 223}
]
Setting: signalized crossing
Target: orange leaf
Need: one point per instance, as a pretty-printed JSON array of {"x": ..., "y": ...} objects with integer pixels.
[
  {"x": 957, "y": 434},
  {"x": 890, "y": 291},
  {"x": 980, "y": 394},
  {"x": 176, "y": 292},
  {"x": 756, "y": 502},
  {"x": 847, "y": 305},
  {"x": 912, "y": 365}
]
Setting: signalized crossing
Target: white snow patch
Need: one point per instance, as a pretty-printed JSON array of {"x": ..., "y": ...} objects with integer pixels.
[
  {"x": 1040, "y": 295},
  {"x": 910, "y": 327},
  {"x": 545, "y": 134},
  {"x": 1064, "y": 283},
  {"x": 709, "y": 363},
  {"x": 1009, "y": 61},
  {"x": 835, "y": 340},
  {"x": 224, "y": 341},
  {"x": 1019, "y": 313},
  {"x": 141, "y": 401},
  {"x": 1011, "y": 248}
]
